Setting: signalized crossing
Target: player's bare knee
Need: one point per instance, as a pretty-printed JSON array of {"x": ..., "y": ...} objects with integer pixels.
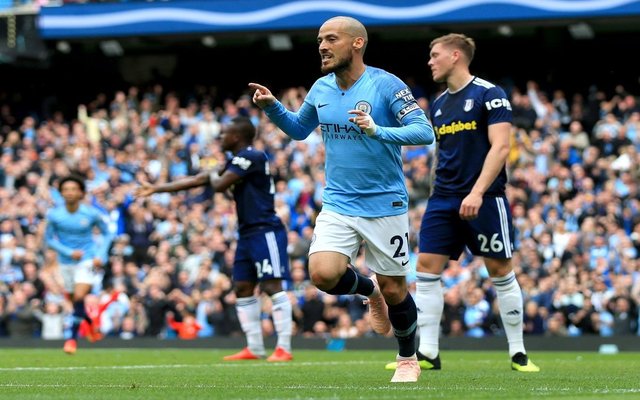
[
  {"x": 271, "y": 286},
  {"x": 431, "y": 263},
  {"x": 324, "y": 279},
  {"x": 326, "y": 269},
  {"x": 430, "y": 269},
  {"x": 244, "y": 288},
  {"x": 394, "y": 289},
  {"x": 498, "y": 267}
]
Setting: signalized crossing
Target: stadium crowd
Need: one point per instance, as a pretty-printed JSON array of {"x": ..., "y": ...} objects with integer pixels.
[{"x": 574, "y": 168}]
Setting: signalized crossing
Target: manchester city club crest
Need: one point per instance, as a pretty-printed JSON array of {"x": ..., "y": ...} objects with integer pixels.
[
  {"x": 363, "y": 106},
  {"x": 468, "y": 105}
]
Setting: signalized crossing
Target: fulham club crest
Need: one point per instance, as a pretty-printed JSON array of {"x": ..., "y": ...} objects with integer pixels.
[{"x": 468, "y": 105}]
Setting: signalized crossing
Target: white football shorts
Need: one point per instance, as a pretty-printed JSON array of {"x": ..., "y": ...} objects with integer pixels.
[
  {"x": 385, "y": 240},
  {"x": 77, "y": 273}
]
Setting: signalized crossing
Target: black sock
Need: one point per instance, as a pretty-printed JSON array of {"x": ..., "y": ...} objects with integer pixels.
[
  {"x": 351, "y": 283},
  {"x": 79, "y": 314},
  {"x": 404, "y": 319}
]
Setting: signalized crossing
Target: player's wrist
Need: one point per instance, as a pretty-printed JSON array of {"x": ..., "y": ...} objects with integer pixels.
[
  {"x": 213, "y": 177},
  {"x": 268, "y": 106},
  {"x": 372, "y": 128}
]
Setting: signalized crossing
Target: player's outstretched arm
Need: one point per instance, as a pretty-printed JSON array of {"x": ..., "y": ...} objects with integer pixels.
[
  {"x": 220, "y": 183},
  {"x": 298, "y": 125},
  {"x": 262, "y": 96},
  {"x": 146, "y": 189}
]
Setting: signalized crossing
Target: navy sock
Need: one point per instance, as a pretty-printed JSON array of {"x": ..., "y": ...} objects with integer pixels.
[
  {"x": 79, "y": 314},
  {"x": 351, "y": 283},
  {"x": 404, "y": 319}
]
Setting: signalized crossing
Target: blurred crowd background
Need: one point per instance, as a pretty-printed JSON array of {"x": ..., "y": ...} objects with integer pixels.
[{"x": 573, "y": 170}]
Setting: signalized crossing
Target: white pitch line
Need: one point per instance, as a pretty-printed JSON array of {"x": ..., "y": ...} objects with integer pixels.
[
  {"x": 292, "y": 387},
  {"x": 201, "y": 386},
  {"x": 541, "y": 390},
  {"x": 218, "y": 365}
]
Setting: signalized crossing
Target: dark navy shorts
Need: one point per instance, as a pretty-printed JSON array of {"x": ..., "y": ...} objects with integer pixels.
[
  {"x": 262, "y": 256},
  {"x": 489, "y": 235}
]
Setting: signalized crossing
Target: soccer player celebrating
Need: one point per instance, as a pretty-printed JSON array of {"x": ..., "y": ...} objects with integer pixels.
[
  {"x": 468, "y": 207},
  {"x": 261, "y": 253},
  {"x": 365, "y": 197},
  {"x": 70, "y": 233}
]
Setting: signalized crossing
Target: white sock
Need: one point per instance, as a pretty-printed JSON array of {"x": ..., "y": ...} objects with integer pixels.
[
  {"x": 430, "y": 302},
  {"x": 511, "y": 312},
  {"x": 282, "y": 319},
  {"x": 248, "y": 309}
]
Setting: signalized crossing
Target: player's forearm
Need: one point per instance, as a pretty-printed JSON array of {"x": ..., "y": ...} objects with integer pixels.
[
  {"x": 296, "y": 125},
  {"x": 59, "y": 247},
  {"x": 182, "y": 184},
  {"x": 418, "y": 132},
  {"x": 493, "y": 164}
]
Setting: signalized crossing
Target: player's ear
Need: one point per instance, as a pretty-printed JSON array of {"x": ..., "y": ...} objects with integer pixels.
[{"x": 358, "y": 43}]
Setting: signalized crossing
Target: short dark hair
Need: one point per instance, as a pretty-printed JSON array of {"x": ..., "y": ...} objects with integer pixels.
[
  {"x": 79, "y": 181},
  {"x": 245, "y": 128}
]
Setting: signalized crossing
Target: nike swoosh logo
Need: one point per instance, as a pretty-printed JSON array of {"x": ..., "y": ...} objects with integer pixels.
[
  {"x": 405, "y": 263},
  {"x": 322, "y": 105}
]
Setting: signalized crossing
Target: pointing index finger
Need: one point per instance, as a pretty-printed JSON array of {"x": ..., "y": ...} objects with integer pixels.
[{"x": 257, "y": 86}]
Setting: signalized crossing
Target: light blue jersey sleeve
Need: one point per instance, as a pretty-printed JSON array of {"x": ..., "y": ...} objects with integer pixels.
[
  {"x": 415, "y": 128},
  {"x": 67, "y": 232},
  {"x": 64, "y": 250},
  {"x": 297, "y": 125}
]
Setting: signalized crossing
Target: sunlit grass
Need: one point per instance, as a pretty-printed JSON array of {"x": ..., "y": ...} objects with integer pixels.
[{"x": 200, "y": 374}]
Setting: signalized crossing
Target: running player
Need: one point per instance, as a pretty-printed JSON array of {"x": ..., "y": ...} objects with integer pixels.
[{"x": 365, "y": 115}]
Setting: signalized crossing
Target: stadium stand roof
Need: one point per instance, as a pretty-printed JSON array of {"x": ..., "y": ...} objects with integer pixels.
[{"x": 182, "y": 17}]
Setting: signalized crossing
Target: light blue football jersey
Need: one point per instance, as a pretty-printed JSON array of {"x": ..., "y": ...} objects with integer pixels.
[
  {"x": 68, "y": 231},
  {"x": 364, "y": 176}
]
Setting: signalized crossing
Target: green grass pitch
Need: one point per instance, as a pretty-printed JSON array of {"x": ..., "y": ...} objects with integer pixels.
[{"x": 94, "y": 374}]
